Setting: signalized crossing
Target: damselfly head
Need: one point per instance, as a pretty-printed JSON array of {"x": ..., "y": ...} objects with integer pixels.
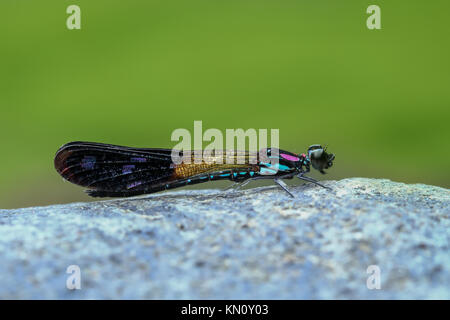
[{"x": 319, "y": 158}]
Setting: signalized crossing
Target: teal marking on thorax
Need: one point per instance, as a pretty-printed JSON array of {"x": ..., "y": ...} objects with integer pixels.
[
  {"x": 267, "y": 170},
  {"x": 225, "y": 175},
  {"x": 282, "y": 167},
  {"x": 278, "y": 166}
]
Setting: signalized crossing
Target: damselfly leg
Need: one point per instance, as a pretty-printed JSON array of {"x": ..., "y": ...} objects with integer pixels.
[
  {"x": 302, "y": 177},
  {"x": 238, "y": 185},
  {"x": 283, "y": 186}
]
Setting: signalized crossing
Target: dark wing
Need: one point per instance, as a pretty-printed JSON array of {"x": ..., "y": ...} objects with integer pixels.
[{"x": 111, "y": 170}]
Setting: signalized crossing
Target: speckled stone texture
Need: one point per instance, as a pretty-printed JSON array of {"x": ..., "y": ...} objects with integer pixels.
[{"x": 255, "y": 244}]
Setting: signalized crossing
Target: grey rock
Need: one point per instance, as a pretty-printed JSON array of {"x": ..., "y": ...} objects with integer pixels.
[{"x": 254, "y": 244}]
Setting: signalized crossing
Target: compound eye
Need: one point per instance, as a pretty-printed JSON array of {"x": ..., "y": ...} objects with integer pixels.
[
  {"x": 314, "y": 147},
  {"x": 317, "y": 153}
]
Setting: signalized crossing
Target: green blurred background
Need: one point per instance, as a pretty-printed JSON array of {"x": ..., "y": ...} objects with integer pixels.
[{"x": 137, "y": 70}]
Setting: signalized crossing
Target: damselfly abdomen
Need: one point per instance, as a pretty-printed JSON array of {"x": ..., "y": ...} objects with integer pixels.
[{"x": 116, "y": 171}]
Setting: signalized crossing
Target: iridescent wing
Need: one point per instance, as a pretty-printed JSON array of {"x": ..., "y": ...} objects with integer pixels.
[{"x": 110, "y": 170}]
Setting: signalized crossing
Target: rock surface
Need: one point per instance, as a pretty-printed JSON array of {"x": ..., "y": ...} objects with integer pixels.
[{"x": 254, "y": 244}]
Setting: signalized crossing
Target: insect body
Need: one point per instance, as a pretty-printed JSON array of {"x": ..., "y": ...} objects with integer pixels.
[{"x": 116, "y": 171}]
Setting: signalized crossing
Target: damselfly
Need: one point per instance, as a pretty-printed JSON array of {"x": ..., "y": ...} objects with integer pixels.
[{"x": 116, "y": 171}]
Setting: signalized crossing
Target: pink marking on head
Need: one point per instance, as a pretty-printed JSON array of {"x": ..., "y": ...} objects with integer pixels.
[
  {"x": 303, "y": 155},
  {"x": 289, "y": 157}
]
